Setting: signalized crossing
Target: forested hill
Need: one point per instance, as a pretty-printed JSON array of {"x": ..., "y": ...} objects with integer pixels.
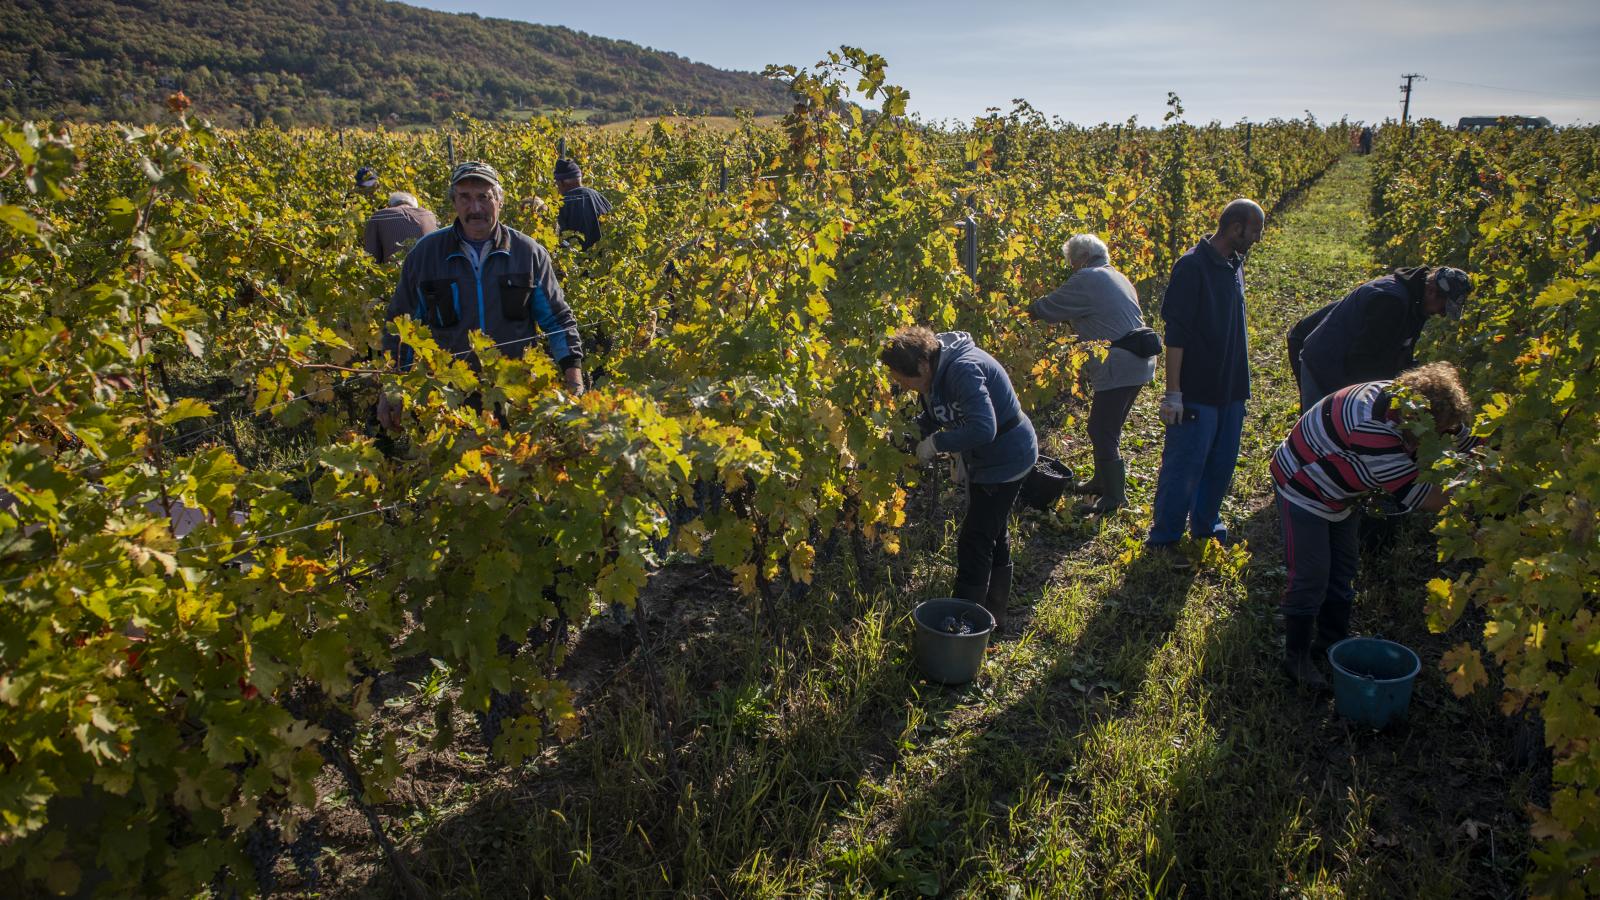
[{"x": 336, "y": 62}]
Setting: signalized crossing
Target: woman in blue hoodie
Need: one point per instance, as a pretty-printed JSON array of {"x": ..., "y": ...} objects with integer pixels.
[{"x": 970, "y": 408}]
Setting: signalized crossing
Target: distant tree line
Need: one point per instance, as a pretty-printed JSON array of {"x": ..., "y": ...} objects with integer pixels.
[{"x": 336, "y": 62}]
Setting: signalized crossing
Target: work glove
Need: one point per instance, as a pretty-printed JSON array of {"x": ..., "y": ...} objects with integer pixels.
[
  {"x": 958, "y": 471},
  {"x": 926, "y": 451},
  {"x": 1172, "y": 407},
  {"x": 389, "y": 411}
]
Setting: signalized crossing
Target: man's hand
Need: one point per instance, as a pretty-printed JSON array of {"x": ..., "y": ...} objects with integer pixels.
[
  {"x": 1172, "y": 407},
  {"x": 388, "y": 412},
  {"x": 926, "y": 451},
  {"x": 574, "y": 377}
]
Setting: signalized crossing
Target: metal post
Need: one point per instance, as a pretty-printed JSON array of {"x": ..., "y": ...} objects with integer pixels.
[
  {"x": 722, "y": 174},
  {"x": 450, "y": 148},
  {"x": 1247, "y": 139},
  {"x": 971, "y": 226},
  {"x": 561, "y": 148}
]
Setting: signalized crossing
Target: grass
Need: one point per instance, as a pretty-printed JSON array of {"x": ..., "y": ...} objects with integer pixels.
[{"x": 1133, "y": 738}]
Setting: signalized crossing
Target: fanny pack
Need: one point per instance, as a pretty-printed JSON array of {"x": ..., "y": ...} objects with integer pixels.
[{"x": 1141, "y": 342}]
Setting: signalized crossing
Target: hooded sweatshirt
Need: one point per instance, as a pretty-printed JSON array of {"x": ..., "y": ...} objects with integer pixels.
[
  {"x": 972, "y": 409},
  {"x": 581, "y": 209}
]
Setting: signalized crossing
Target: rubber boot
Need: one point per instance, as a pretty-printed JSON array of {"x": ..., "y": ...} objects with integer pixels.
[
  {"x": 1297, "y": 662},
  {"x": 998, "y": 598},
  {"x": 1114, "y": 489},
  {"x": 1333, "y": 626},
  {"x": 1090, "y": 485}
]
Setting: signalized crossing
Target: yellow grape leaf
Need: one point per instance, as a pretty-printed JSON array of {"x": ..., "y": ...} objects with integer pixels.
[
  {"x": 801, "y": 560},
  {"x": 1444, "y": 605},
  {"x": 1545, "y": 826},
  {"x": 745, "y": 577},
  {"x": 691, "y": 535},
  {"x": 1464, "y": 670}
]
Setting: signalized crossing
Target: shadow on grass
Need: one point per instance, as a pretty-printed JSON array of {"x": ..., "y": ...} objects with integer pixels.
[
  {"x": 765, "y": 749},
  {"x": 935, "y": 841},
  {"x": 1288, "y": 793}
]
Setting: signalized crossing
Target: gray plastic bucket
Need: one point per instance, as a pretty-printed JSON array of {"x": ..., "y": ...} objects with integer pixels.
[
  {"x": 951, "y": 658},
  {"x": 1372, "y": 679}
]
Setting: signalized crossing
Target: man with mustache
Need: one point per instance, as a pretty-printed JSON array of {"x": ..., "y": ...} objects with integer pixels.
[{"x": 481, "y": 275}]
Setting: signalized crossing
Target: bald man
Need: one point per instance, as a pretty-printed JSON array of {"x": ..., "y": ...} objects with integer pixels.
[{"x": 1208, "y": 378}]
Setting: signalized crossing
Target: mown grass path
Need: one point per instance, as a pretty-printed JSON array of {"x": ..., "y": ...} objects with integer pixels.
[{"x": 1133, "y": 737}]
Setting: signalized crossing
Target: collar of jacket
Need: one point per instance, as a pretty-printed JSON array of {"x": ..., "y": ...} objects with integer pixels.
[
  {"x": 500, "y": 240},
  {"x": 1232, "y": 262}
]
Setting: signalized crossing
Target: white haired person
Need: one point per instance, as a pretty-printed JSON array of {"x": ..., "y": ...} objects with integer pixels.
[
  {"x": 395, "y": 227},
  {"x": 1100, "y": 304}
]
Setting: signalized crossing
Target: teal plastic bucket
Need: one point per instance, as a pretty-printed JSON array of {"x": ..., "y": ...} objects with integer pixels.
[
  {"x": 1372, "y": 680},
  {"x": 946, "y": 657}
]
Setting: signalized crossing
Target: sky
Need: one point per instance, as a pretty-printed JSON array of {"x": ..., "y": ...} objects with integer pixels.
[{"x": 1106, "y": 61}]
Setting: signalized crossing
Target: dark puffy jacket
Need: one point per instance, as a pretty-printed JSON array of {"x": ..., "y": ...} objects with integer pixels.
[
  {"x": 1370, "y": 335},
  {"x": 972, "y": 409},
  {"x": 513, "y": 297}
]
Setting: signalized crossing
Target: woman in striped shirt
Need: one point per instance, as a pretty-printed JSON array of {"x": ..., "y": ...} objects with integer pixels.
[{"x": 1355, "y": 441}]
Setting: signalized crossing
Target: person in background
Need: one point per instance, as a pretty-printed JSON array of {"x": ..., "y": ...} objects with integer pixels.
[
  {"x": 1208, "y": 378},
  {"x": 392, "y": 228},
  {"x": 1372, "y": 333},
  {"x": 481, "y": 275},
  {"x": 1365, "y": 141},
  {"x": 1358, "y": 440},
  {"x": 581, "y": 207},
  {"x": 1100, "y": 304},
  {"x": 366, "y": 181},
  {"x": 970, "y": 408}
]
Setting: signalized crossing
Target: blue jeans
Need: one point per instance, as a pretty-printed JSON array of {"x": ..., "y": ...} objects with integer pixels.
[{"x": 1196, "y": 472}]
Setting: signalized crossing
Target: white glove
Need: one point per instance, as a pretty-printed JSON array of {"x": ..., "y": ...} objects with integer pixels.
[
  {"x": 1172, "y": 407},
  {"x": 958, "y": 471},
  {"x": 926, "y": 451}
]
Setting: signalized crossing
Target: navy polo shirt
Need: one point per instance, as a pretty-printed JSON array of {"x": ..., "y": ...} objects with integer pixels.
[{"x": 1203, "y": 308}]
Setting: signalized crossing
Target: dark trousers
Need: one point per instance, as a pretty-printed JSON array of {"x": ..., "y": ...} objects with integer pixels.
[
  {"x": 1310, "y": 391},
  {"x": 984, "y": 543},
  {"x": 1322, "y": 558},
  {"x": 1108, "y": 412}
]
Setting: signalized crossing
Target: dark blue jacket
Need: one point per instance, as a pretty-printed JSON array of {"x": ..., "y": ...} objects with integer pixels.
[
  {"x": 1370, "y": 335},
  {"x": 972, "y": 410},
  {"x": 581, "y": 209},
  {"x": 513, "y": 298},
  {"x": 1204, "y": 311}
]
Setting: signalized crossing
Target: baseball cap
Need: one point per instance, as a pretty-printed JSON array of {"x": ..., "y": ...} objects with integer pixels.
[
  {"x": 366, "y": 177},
  {"x": 475, "y": 169},
  {"x": 567, "y": 169},
  {"x": 1454, "y": 286}
]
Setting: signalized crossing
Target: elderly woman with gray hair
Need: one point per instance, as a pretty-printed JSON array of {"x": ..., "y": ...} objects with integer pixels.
[{"x": 1100, "y": 304}]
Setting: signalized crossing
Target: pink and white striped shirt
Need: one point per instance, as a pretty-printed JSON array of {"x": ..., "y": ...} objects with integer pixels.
[{"x": 1346, "y": 446}]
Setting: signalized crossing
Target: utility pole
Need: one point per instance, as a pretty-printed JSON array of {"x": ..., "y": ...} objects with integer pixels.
[{"x": 1405, "y": 109}]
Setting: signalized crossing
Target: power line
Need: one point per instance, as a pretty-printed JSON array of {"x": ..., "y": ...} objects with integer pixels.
[{"x": 1496, "y": 87}]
